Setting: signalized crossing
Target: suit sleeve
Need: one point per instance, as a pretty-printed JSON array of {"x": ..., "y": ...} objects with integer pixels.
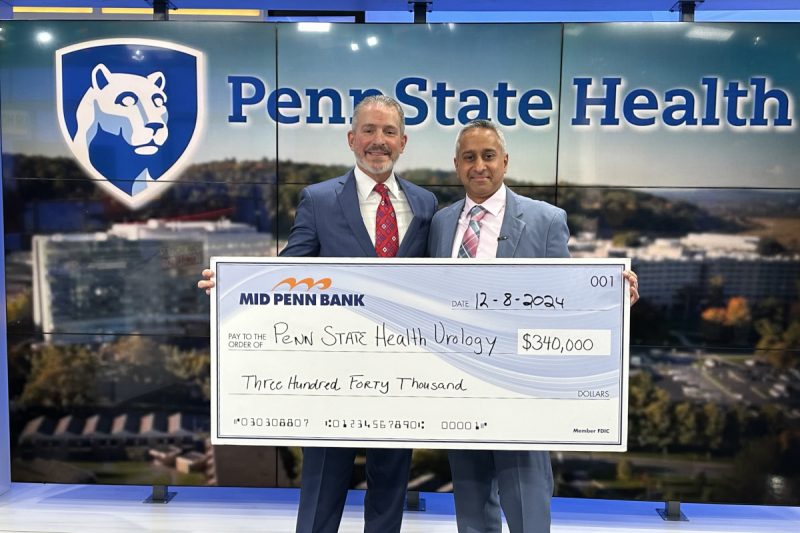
[
  {"x": 433, "y": 238},
  {"x": 433, "y": 234},
  {"x": 558, "y": 235},
  {"x": 303, "y": 237}
]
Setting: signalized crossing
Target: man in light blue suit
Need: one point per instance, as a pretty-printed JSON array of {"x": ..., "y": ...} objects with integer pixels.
[
  {"x": 493, "y": 221},
  {"x": 368, "y": 212}
]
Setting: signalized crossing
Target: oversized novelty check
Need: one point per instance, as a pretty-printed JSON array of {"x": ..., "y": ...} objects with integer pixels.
[{"x": 420, "y": 353}]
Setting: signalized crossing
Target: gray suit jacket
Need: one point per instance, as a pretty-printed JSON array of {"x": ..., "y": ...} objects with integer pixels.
[
  {"x": 531, "y": 228},
  {"x": 524, "y": 478}
]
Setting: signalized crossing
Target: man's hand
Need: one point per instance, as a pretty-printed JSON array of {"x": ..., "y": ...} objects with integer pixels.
[
  {"x": 207, "y": 282},
  {"x": 629, "y": 275}
]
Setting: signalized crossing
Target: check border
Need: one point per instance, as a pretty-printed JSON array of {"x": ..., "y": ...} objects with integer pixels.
[{"x": 391, "y": 442}]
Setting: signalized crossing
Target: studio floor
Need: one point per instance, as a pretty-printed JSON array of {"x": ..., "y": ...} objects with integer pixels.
[{"x": 37, "y": 508}]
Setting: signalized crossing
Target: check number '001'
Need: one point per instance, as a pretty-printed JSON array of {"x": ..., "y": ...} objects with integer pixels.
[{"x": 564, "y": 342}]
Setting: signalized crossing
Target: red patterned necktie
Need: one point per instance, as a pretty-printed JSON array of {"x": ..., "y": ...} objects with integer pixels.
[{"x": 387, "y": 240}]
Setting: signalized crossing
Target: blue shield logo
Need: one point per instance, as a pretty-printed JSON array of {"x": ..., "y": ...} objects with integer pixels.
[{"x": 131, "y": 112}]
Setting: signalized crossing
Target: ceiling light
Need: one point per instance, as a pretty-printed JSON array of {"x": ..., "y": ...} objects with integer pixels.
[
  {"x": 127, "y": 11},
  {"x": 318, "y": 27},
  {"x": 44, "y": 37},
  {"x": 217, "y": 12},
  {"x": 34, "y": 9},
  {"x": 707, "y": 33}
]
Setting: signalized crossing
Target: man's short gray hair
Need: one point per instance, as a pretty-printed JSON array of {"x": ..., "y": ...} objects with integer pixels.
[
  {"x": 379, "y": 99},
  {"x": 484, "y": 125}
]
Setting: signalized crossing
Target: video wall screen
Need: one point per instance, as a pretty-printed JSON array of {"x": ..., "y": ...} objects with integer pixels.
[{"x": 672, "y": 144}]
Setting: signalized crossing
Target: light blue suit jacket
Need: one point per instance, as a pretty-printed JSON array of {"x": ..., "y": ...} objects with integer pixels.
[
  {"x": 531, "y": 228},
  {"x": 328, "y": 222}
]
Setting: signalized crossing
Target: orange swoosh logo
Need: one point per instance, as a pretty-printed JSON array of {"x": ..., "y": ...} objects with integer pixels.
[{"x": 310, "y": 283}]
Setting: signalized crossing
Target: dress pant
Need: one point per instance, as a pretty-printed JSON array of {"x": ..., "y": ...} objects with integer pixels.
[
  {"x": 326, "y": 478},
  {"x": 521, "y": 482}
]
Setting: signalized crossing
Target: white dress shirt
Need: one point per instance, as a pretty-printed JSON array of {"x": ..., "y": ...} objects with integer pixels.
[
  {"x": 490, "y": 225},
  {"x": 368, "y": 201}
]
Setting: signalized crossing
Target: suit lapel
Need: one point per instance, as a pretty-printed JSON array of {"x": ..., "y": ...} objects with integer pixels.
[
  {"x": 449, "y": 226},
  {"x": 512, "y": 228},
  {"x": 348, "y": 201},
  {"x": 415, "y": 203}
]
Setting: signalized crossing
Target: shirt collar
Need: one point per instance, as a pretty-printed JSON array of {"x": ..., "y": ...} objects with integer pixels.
[
  {"x": 365, "y": 184},
  {"x": 494, "y": 204}
]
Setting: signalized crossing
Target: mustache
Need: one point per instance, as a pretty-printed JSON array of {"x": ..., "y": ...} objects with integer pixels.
[{"x": 378, "y": 147}]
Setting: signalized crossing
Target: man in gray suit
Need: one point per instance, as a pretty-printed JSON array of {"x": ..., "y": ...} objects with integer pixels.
[{"x": 493, "y": 221}]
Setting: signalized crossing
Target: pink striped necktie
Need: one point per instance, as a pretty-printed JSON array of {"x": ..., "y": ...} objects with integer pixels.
[{"x": 469, "y": 244}]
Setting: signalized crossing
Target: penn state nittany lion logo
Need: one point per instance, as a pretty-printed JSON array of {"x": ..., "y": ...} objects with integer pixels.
[
  {"x": 130, "y": 111},
  {"x": 135, "y": 106}
]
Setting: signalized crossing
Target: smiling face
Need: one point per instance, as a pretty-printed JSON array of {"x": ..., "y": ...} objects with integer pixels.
[
  {"x": 480, "y": 163},
  {"x": 377, "y": 140}
]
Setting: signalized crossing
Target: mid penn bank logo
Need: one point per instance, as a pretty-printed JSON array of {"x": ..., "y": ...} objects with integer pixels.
[
  {"x": 305, "y": 291},
  {"x": 131, "y": 112}
]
